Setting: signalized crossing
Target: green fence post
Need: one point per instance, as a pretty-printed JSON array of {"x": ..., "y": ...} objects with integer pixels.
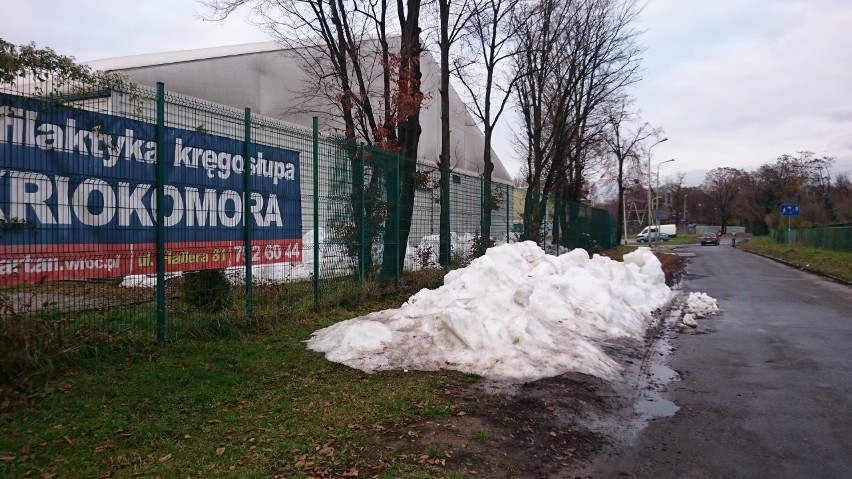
[
  {"x": 362, "y": 234},
  {"x": 161, "y": 200},
  {"x": 400, "y": 251},
  {"x": 161, "y": 213},
  {"x": 508, "y": 213},
  {"x": 316, "y": 212},
  {"x": 247, "y": 227},
  {"x": 479, "y": 248}
]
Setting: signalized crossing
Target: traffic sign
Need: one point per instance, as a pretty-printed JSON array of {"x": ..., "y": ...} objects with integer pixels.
[{"x": 789, "y": 209}]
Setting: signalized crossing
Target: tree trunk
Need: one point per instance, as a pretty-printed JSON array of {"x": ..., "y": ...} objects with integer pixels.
[
  {"x": 409, "y": 139},
  {"x": 444, "y": 248}
]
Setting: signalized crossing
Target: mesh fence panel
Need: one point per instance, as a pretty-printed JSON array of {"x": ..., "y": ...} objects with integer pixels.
[
  {"x": 310, "y": 218},
  {"x": 838, "y": 238}
]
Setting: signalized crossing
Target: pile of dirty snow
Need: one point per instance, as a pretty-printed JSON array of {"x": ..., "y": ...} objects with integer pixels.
[{"x": 515, "y": 313}]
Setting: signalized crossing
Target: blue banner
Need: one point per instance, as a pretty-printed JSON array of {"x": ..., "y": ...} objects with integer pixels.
[{"x": 77, "y": 177}]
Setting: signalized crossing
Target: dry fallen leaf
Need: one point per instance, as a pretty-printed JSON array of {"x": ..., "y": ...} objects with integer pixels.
[
  {"x": 220, "y": 451},
  {"x": 6, "y": 458},
  {"x": 103, "y": 447},
  {"x": 68, "y": 439},
  {"x": 165, "y": 458},
  {"x": 25, "y": 449}
]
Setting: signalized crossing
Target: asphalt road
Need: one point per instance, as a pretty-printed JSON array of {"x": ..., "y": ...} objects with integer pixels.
[{"x": 766, "y": 386}]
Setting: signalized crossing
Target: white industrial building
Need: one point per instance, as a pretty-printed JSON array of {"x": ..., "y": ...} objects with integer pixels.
[{"x": 268, "y": 78}]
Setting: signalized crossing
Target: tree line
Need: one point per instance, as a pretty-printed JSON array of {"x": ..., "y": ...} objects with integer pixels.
[{"x": 737, "y": 197}]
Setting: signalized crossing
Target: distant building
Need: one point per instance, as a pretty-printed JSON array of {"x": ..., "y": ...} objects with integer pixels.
[{"x": 269, "y": 78}]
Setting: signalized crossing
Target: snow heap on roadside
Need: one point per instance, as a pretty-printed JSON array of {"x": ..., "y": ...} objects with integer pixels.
[
  {"x": 516, "y": 313},
  {"x": 698, "y": 305}
]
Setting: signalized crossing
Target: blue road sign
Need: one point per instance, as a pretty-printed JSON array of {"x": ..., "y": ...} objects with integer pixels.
[{"x": 789, "y": 209}]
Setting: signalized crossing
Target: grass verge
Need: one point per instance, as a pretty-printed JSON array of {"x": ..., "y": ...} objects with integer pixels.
[
  {"x": 837, "y": 264},
  {"x": 246, "y": 405}
]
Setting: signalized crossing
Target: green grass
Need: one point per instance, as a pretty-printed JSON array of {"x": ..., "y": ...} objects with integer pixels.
[
  {"x": 833, "y": 263},
  {"x": 228, "y": 398},
  {"x": 682, "y": 239},
  {"x": 246, "y": 406}
]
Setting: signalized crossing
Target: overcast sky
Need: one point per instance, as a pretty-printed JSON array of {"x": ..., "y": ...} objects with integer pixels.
[{"x": 732, "y": 82}]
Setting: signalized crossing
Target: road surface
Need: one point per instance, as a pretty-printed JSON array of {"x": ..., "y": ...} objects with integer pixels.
[{"x": 766, "y": 392}]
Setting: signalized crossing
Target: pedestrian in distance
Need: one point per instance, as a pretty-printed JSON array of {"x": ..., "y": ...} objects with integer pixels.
[{"x": 734, "y": 240}]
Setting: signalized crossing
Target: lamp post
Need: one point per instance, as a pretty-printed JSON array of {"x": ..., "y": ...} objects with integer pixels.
[
  {"x": 657, "y": 198},
  {"x": 649, "y": 183}
]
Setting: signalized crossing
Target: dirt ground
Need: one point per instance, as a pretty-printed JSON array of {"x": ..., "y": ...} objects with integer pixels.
[{"x": 549, "y": 428}]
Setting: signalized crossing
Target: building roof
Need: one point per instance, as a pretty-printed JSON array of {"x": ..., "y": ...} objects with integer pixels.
[{"x": 164, "y": 58}]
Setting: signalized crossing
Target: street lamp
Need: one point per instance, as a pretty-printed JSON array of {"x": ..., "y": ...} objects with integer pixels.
[
  {"x": 650, "y": 182},
  {"x": 657, "y": 203}
]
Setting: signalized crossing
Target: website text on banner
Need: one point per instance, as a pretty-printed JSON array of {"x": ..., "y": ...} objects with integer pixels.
[{"x": 78, "y": 197}]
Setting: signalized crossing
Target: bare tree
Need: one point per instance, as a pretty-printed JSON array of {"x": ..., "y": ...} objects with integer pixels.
[
  {"x": 579, "y": 55},
  {"x": 623, "y": 141},
  {"x": 454, "y": 16},
  {"x": 340, "y": 42},
  {"x": 676, "y": 194},
  {"x": 490, "y": 42},
  {"x": 723, "y": 185}
]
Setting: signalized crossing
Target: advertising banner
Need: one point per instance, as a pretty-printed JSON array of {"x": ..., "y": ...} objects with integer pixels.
[{"x": 78, "y": 196}]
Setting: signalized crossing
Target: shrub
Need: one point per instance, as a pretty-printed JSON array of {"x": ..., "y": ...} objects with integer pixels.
[{"x": 207, "y": 290}]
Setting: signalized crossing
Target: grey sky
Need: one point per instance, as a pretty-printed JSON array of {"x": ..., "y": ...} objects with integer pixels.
[{"x": 732, "y": 82}]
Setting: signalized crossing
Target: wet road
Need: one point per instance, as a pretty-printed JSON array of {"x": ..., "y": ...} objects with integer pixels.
[{"x": 766, "y": 392}]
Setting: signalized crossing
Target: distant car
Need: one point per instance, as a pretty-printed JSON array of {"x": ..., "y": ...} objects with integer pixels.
[
  {"x": 654, "y": 236},
  {"x": 709, "y": 238}
]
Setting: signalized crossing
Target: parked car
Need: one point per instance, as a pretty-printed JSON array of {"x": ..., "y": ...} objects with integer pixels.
[
  {"x": 654, "y": 236},
  {"x": 709, "y": 238}
]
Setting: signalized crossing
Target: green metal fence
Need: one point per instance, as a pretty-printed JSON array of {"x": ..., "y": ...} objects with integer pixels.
[
  {"x": 85, "y": 244},
  {"x": 838, "y": 238}
]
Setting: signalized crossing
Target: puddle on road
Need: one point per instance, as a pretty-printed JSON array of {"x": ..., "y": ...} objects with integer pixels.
[
  {"x": 658, "y": 407},
  {"x": 643, "y": 387},
  {"x": 651, "y": 403},
  {"x": 655, "y": 376}
]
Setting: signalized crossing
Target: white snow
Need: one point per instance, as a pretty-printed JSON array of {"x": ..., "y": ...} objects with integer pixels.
[
  {"x": 516, "y": 313},
  {"x": 701, "y": 305},
  {"x": 697, "y": 305}
]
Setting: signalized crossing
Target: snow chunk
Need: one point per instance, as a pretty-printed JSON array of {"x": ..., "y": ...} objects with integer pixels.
[{"x": 701, "y": 305}]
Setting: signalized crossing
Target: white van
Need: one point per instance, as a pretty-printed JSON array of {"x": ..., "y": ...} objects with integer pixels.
[{"x": 670, "y": 230}]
